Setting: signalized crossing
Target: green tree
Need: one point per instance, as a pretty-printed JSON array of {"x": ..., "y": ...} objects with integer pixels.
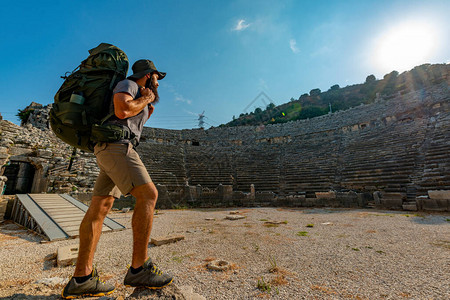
[
  {"x": 271, "y": 106},
  {"x": 334, "y": 87},
  {"x": 303, "y": 96},
  {"x": 315, "y": 92},
  {"x": 24, "y": 115},
  {"x": 311, "y": 112},
  {"x": 370, "y": 79}
]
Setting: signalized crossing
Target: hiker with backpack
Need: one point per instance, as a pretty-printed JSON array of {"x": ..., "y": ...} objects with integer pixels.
[{"x": 121, "y": 172}]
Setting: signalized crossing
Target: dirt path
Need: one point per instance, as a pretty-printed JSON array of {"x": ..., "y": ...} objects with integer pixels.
[{"x": 273, "y": 253}]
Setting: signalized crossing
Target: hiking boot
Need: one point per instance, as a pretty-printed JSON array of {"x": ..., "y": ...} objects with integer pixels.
[
  {"x": 149, "y": 277},
  {"x": 92, "y": 287}
]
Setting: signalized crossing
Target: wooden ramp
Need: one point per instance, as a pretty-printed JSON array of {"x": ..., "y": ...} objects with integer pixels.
[{"x": 57, "y": 216}]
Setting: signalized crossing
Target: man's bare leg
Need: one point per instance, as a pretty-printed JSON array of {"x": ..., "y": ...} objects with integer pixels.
[
  {"x": 90, "y": 231},
  {"x": 146, "y": 196}
]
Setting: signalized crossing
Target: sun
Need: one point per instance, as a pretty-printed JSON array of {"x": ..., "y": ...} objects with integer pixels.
[{"x": 405, "y": 46}]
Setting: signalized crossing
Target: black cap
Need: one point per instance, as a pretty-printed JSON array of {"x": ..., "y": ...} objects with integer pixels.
[{"x": 145, "y": 66}]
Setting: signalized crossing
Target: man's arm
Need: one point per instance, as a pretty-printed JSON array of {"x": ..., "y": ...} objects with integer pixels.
[
  {"x": 151, "y": 108},
  {"x": 125, "y": 106}
]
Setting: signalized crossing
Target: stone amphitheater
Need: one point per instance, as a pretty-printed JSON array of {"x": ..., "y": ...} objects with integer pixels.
[{"x": 394, "y": 153}]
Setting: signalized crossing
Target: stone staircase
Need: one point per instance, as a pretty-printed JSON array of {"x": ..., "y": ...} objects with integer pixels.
[
  {"x": 436, "y": 163},
  {"x": 165, "y": 164},
  {"x": 381, "y": 157},
  {"x": 309, "y": 163},
  {"x": 259, "y": 165},
  {"x": 208, "y": 167}
]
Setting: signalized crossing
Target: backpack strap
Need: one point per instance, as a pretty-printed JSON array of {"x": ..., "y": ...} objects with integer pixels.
[
  {"x": 113, "y": 80},
  {"x": 106, "y": 118}
]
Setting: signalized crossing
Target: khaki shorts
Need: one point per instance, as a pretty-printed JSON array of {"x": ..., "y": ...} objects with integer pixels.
[{"x": 121, "y": 169}]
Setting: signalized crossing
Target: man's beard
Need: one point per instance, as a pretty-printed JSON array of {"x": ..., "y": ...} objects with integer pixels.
[{"x": 149, "y": 84}]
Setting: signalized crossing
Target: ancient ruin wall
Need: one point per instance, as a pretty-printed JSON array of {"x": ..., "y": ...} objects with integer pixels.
[
  {"x": 34, "y": 160},
  {"x": 401, "y": 145}
]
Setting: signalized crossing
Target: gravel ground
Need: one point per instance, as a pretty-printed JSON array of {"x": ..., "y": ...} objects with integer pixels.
[{"x": 311, "y": 254}]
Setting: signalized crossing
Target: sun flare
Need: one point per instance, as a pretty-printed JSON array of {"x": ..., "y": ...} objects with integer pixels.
[{"x": 405, "y": 46}]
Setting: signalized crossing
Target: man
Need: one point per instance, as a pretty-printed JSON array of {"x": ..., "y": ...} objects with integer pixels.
[{"x": 122, "y": 172}]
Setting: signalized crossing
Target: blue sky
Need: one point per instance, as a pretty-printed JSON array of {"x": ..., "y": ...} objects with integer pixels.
[{"x": 219, "y": 55}]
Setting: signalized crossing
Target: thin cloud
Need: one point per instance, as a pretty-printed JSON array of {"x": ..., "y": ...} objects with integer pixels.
[
  {"x": 190, "y": 112},
  {"x": 177, "y": 96},
  {"x": 293, "y": 45},
  {"x": 180, "y": 98},
  {"x": 241, "y": 25}
]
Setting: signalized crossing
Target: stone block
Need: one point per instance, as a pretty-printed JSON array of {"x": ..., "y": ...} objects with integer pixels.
[
  {"x": 252, "y": 191},
  {"x": 189, "y": 193},
  {"x": 420, "y": 201},
  {"x": 6, "y": 142},
  {"x": 326, "y": 195},
  {"x": 309, "y": 202},
  {"x": 435, "y": 205},
  {"x": 363, "y": 199},
  {"x": 439, "y": 194},
  {"x": 265, "y": 196},
  {"x": 18, "y": 151},
  {"x": 332, "y": 203},
  {"x": 247, "y": 202},
  {"x": 370, "y": 188},
  {"x": 225, "y": 192},
  {"x": 394, "y": 196},
  {"x": 377, "y": 197},
  {"x": 67, "y": 256},
  {"x": 442, "y": 204},
  {"x": 282, "y": 201},
  {"x": 235, "y": 217},
  {"x": 163, "y": 197},
  {"x": 44, "y": 153},
  {"x": 410, "y": 207},
  {"x": 392, "y": 203},
  {"x": 188, "y": 293},
  {"x": 158, "y": 241},
  {"x": 319, "y": 202}
]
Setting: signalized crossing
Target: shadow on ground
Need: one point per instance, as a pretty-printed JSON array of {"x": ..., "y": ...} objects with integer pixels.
[{"x": 170, "y": 292}]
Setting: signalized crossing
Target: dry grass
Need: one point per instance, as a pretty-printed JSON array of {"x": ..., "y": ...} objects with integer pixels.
[
  {"x": 442, "y": 243},
  {"x": 323, "y": 289},
  {"x": 12, "y": 283},
  {"x": 5, "y": 237},
  {"x": 279, "y": 280},
  {"x": 209, "y": 259},
  {"x": 269, "y": 225},
  {"x": 405, "y": 295}
]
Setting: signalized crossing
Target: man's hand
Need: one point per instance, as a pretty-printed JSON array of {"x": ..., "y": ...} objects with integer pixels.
[
  {"x": 151, "y": 108},
  {"x": 146, "y": 92}
]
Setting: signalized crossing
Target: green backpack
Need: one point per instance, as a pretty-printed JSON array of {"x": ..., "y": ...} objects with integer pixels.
[{"x": 82, "y": 103}]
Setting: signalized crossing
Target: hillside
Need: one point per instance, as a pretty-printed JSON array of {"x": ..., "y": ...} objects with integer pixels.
[{"x": 318, "y": 103}]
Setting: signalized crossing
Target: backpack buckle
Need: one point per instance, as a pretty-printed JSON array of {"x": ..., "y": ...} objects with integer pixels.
[{"x": 127, "y": 134}]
